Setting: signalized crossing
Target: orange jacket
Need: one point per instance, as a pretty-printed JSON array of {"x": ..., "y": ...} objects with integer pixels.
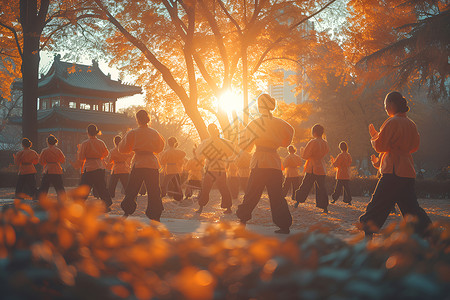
[
  {"x": 172, "y": 160},
  {"x": 314, "y": 152},
  {"x": 291, "y": 163},
  {"x": 194, "y": 167},
  {"x": 397, "y": 139},
  {"x": 91, "y": 154},
  {"x": 267, "y": 134},
  {"x": 145, "y": 142},
  {"x": 120, "y": 162},
  {"x": 26, "y": 159},
  {"x": 243, "y": 163},
  {"x": 342, "y": 164},
  {"x": 51, "y": 159}
]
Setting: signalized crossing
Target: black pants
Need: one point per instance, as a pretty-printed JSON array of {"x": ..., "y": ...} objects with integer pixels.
[
  {"x": 96, "y": 179},
  {"x": 321, "y": 192},
  {"x": 114, "y": 179},
  {"x": 392, "y": 189},
  {"x": 271, "y": 179},
  {"x": 175, "y": 186},
  {"x": 52, "y": 179},
  {"x": 233, "y": 185},
  {"x": 191, "y": 185},
  {"x": 342, "y": 184},
  {"x": 26, "y": 184},
  {"x": 220, "y": 178},
  {"x": 288, "y": 182},
  {"x": 151, "y": 179}
]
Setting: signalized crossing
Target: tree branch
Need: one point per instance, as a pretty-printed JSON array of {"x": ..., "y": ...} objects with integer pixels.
[
  {"x": 16, "y": 38},
  {"x": 280, "y": 39}
]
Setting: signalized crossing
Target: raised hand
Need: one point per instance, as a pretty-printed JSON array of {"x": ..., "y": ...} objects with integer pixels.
[{"x": 372, "y": 130}]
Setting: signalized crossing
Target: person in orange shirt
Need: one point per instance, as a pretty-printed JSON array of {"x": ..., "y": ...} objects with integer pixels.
[
  {"x": 268, "y": 134},
  {"x": 91, "y": 153},
  {"x": 233, "y": 179},
  {"x": 172, "y": 161},
  {"x": 120, "y": 167},
  {"x": 215, "y": 150},
  {"x": 26, "y": 159},
  {"x": 194, "y": 167},
  {"x": 146, "y": 143},
  {"x": 397, "y": 139},
  {"x": 51, "y": 159},
  {"x": 314, "y": 152},
  {"x": 291, "y": 164},
  {"x": 342, "y": 164},
  {"x": 243, "y": 163}
]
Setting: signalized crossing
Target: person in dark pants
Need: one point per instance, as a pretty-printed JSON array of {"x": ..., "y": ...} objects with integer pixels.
[
  {"x": 342, "y": 164},
  {"x": 26, "y": 159},
  {"x": 313, "y": 153},
  {"x": 267, "y": 133},
  {"x": 243, "y": 163},
  {"x": 291, "y": 163},
  {"x": 172, "y": 161},
  {"x": 120, "y": 169},
  {"x": 397, "y": 139},
  {"x": 194, "y": 167},
  {"x": 51, "y": 159},
  {"x": 215, "y": 150},
  {"x": 145, "y": 142},
  {"x": 91, "y": 153},
  {"x": 233, "y": 179}
]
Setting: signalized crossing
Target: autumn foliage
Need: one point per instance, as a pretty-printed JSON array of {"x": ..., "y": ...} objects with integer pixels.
[{"x": 71, "y": 250}]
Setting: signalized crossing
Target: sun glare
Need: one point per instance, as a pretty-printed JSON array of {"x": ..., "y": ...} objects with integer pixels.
[{"x": 231, "y": 102}]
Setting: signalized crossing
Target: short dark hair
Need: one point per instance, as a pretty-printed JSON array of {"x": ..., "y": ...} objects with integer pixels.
[
  {"x": 398, "y": 100},
  {"x": 292, "y": 149},
  {"x": 92, "y": 130},
  {"x": 117, "y": 139},
  {"x": 142, "y": 117},
  {"x": 52, "y": 140},
  {"x": 317, "y": 130},
  {"x": 26, "y": 143},
  {"x": 172, "y": 141},
  {"x": 343, "y": 146}
]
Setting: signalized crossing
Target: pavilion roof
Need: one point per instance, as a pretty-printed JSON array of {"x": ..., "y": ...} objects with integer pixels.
[{"x": 81, "y": 79}]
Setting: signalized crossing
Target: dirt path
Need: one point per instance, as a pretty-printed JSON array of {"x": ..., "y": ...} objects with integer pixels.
[{"x": 340, "y": 220}]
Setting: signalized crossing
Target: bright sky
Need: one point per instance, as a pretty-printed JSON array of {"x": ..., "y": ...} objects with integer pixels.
[{"x": 47, "y": 60}]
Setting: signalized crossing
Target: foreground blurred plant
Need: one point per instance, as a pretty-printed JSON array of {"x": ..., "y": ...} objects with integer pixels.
[{"x": 69, "y": 250}]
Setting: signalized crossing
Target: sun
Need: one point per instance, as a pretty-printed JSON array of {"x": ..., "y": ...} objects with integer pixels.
[{"x": 231, "y": 102}]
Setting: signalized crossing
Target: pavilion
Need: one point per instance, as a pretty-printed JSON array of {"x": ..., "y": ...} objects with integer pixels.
[{"x": 72, "y": 96}]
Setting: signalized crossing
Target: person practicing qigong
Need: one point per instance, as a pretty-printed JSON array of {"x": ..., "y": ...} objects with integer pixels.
[
  {"x": 51, "y": 159},
  {"x": 91, "y": 153},
  {"x": 291, "y": 163},
  {"x": 120, "y": 167},
  {"x": 26, "y": 159},
  {"x": 397, "y": 139},
  {"x": 172, "y": 161},
  {"x": 146, "y": 142},
  {"x": 342, "y": 164},
  {"x": 267, "y": 133},
  {"x": 314, "y": 154},
  {"x": 194, "y": 167},
  {"x": 215, "y": 150}
]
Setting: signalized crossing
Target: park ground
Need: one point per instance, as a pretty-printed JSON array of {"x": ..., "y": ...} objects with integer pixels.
[{"x": 180, "y": 217}]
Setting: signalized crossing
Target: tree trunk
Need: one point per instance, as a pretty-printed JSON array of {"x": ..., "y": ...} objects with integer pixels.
[
  {"x": 197, "y": 120},
  {"x": 32, "y": 21},
  {"x": 30, "y": 71}
]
